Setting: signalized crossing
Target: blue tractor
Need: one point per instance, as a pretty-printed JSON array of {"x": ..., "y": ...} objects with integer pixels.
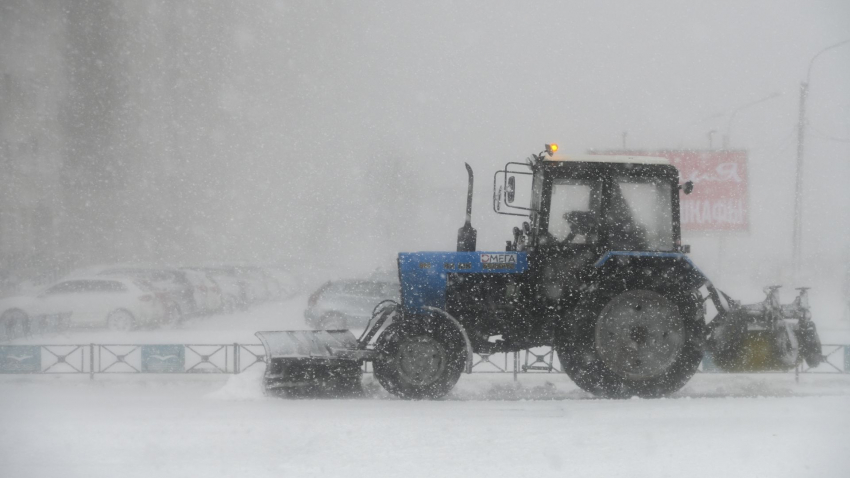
[{"x": 597, "y": 271}]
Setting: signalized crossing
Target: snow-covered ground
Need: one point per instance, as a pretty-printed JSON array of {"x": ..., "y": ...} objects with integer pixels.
[
  {"x": 132, "y": 426},
  {"x": 719, "y": 425}
]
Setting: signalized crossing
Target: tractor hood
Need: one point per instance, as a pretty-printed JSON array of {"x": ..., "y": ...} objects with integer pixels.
[{"x": 423, "y": 274}]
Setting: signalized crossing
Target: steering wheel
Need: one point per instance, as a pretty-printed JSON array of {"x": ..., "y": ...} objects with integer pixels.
[{"x": 582, "y": 223}]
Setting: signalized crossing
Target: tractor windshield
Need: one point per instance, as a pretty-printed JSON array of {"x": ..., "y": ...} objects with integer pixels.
[{"x": 640, "y": 216}]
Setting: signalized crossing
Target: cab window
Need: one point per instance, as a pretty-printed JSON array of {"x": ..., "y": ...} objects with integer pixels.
[
  {"x": 640, "y": 216},
  {"x": 574, "y": 210}
]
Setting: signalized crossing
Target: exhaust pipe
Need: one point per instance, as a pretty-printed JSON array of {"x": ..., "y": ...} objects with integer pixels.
[{"x": 467, "y": 235}]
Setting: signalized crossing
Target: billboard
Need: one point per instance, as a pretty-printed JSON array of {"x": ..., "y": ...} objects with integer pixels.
[{"x": 719, "y": 201}]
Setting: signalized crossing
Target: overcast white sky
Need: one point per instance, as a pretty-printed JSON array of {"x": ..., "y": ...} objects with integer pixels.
[{"x": 322, "y": 98}]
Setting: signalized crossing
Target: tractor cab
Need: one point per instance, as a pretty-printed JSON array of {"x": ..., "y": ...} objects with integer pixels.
[
  {"x": 582, "y": 207},
  {"x": 592, "y": 203}
]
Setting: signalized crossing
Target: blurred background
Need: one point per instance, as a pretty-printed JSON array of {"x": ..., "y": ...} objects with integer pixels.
[{"x": 331, "y": 135}]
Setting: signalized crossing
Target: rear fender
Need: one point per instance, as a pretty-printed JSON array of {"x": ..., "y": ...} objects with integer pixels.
[{"x": 648, "y": 270}]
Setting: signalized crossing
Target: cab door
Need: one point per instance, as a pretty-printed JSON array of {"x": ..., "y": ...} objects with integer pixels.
[{"x": 568, "y": 237}]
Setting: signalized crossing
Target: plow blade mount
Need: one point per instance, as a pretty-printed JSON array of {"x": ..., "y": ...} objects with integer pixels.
[{"x": 312, "y": 362}]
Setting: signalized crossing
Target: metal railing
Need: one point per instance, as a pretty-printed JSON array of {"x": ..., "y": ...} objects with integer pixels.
[
  {"x": 130, "y": 358},
  {"x": 235, "y": 358}
]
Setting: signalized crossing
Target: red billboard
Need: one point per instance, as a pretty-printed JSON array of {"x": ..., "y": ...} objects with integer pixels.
[{"x": 719, "y": 201}]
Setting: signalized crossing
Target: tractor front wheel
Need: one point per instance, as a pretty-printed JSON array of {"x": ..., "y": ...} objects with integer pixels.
[
  {"x": 637, "y": 343},
  {"x": 420, "y": 358}
]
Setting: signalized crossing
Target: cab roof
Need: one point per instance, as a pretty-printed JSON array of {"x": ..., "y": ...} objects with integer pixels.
[{"x": 603, "y": 158}]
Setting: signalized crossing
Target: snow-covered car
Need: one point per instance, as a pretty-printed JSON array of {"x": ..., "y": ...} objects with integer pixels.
[
  {"x": 232, "y": 287},
  {"x": 259, "y": 285},
  {"x": 347, "y": 303},
  {"x": 207, "y": 294},
  {"x": 178, "y": 289},
  {"x": 116, "y": 303}
]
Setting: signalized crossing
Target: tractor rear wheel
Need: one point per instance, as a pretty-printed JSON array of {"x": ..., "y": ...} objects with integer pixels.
[
  {"x": 420, "y": 358},
  {"x": 637, "y": 343}
]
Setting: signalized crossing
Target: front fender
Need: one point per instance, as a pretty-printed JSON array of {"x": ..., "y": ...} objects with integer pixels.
[{"x": 446, "y": 316}]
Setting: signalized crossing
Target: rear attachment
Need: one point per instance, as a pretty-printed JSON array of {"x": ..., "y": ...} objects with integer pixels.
[
  {"x": 320, "y": 362},
  {"x": 766, "y": 336}
]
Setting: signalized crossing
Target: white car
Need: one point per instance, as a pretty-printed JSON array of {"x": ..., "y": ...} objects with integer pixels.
[{"x": 116, "y": 303}]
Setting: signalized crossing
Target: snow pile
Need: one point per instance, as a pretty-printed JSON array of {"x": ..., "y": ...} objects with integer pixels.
[
  {"x": 553, "y": 386},
  {"x": 247, "y": 385}
]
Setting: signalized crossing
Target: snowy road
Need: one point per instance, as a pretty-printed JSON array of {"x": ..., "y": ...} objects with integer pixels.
[
  {"x": 718, "y": 426},
  {"x": 222, "y": 426}
]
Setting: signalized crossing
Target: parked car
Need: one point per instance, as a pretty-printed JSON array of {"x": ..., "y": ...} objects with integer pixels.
[
  {"x": 178, "y": 289},
  {"x": 232, "y": 287},
  {"x": 207, "y": 294},
  {"x": 116, "y": 303},
  {"x": 347, "y": 303},
  {"x": 259, "y": 285}
]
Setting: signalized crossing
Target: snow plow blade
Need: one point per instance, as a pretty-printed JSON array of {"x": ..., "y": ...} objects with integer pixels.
[
  {"x": 320, "y": 362},
  {"x": 767, "y": 336},
  {"x": 312, "y": 362}
]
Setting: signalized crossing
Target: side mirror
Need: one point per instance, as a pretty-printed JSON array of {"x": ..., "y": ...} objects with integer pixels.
[
  {"x": 510, "y": 192},
  {"x": 688, "y": 187}
]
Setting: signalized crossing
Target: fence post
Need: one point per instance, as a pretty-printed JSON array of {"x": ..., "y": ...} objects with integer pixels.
[
  {"x": 235, "y": 358},
  {"x": 91, "y": 361},
  {"x": 846, "y": 358},
  {"x": 516, "y": 365}
]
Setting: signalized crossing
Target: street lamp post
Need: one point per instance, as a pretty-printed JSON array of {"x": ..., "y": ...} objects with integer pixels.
[
  {"x": 797, "y": 239},
  {"x": 726, "y": 138},
  {"x": 743, "y": 107}
]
